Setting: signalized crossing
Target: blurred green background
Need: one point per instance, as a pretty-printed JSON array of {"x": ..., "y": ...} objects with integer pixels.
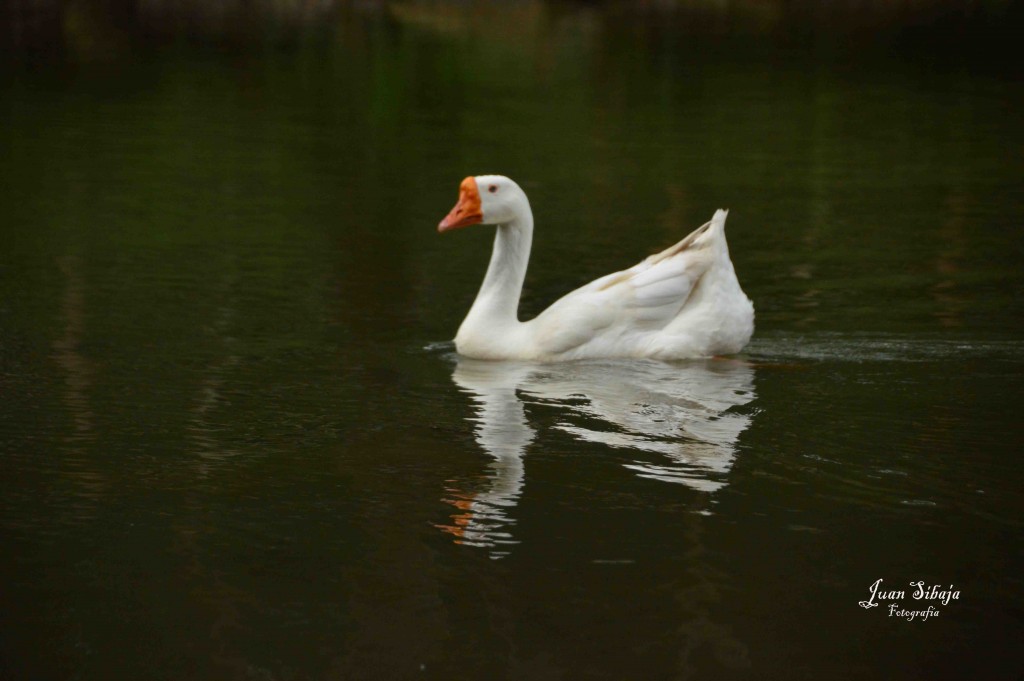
[{"x": 235, "y": 442}]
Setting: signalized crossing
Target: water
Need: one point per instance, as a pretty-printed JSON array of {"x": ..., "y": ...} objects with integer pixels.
[{"x": 237, "y": 443}]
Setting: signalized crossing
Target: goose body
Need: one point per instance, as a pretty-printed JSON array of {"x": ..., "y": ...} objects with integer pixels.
[{"x": 681, "y": 303}]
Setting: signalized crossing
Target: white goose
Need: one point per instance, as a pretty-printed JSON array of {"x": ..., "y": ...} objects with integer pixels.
[{"x": 682, "y": 303}]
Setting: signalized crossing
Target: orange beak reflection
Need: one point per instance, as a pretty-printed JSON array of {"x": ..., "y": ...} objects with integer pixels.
[{"x": 467, "y": 211}]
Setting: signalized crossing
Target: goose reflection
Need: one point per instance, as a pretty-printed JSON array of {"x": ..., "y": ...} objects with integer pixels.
[
  {"x": 678, "y": 412},
  {"x": 502, "y": 431}
]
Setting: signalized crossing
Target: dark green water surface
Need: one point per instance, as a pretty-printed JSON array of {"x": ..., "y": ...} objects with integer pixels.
[{"x": 236, "y": 442}]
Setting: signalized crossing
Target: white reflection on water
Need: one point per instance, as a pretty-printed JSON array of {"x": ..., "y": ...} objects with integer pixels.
[
  {"x": 679, "y": 412},
  {"x": 503, "y": 432}
]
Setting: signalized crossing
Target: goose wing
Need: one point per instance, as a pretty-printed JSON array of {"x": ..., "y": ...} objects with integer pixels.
[{"x": 614, "y": 309}]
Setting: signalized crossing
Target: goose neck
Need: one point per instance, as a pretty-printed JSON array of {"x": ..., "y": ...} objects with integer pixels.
[{"x": 498, "y": 299}]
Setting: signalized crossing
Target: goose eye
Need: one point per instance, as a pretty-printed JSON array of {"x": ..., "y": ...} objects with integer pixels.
[{"x": 493, "y": 188}]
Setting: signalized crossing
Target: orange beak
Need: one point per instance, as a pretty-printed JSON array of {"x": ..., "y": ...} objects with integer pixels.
[{"x": 467, "y": 211}]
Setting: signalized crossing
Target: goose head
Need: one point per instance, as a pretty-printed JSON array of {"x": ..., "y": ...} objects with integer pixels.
[{"x": 487, "y": 200}]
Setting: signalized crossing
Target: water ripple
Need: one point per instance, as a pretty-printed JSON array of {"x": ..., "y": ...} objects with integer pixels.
[{"x": 880, "y": 348}]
